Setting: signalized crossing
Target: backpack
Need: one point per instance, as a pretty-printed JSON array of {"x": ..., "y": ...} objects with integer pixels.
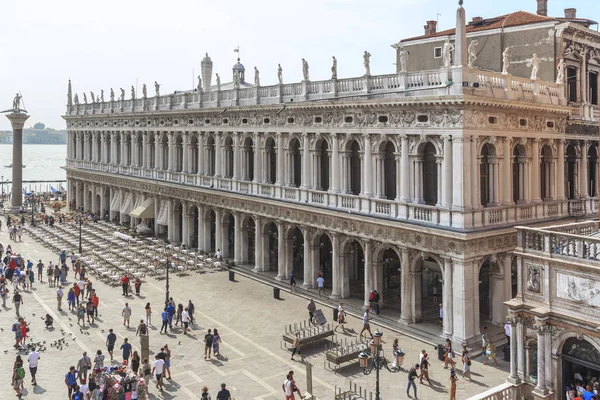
[
  {"x": 204, "y": 395},
  {"x": 208, "y": 339},
  {"x": 20, "y": 373},
  {"x": 143, "y": 329},
  {"x": 14, "y": 327}
]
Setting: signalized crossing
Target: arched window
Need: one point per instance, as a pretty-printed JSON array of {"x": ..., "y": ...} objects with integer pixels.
[
  {"x": 547, "y": 173},
  {"x": 519, "y": 173},
  {"x": 593, "y": 171},
  {"x": 488, "y": 176},
  {"x": 430, "y": 175},
  {"x": 295, "y": 163},
  {"x": 572, "y": 172},
  {"x": 270, "y": 161}
]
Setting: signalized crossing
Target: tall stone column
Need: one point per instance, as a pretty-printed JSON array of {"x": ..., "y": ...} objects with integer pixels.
[
  {"x": 281, "y": 251},
  {"x": 236, "y": 156},
  {"x": 334, "y": 186},
  {"x": 548, "y": 357},
  {"x": 583, "y": 168},
  {"x": 157, "y": 152},
  {"x": 447, "y": 298},
  {"x": 336, "y": 278},
  {"x": 535, "y": 182},
  {"x": 280, "y": 157},
  {"x": 218, "y": 230},
  {"x": 560, "y": 168},
  {"x": 309, "y": 266},
  {"x": 506, "y": 173},
  {"x": 306, "y": 165},
  {"x": 17, "y": 120},
  {"x": 368, "y": 272},
  {"x": 171, "y": 226},
  {"x": 259, "y": 244},
  {"x": 463, "y": 307},
  {"x": 405, "y": 284},
  {"x": 447, "y": 173},
  {"x": 186, "y": 154},
  {"x": 404, "y": 170},
  {"x": 237, "y": 244},
  {"x": 368, "y": 174},
  {"x": 514, "y": 375},
  {"x": 201, "y": 228},
  {"x": 541, "y": 389}
]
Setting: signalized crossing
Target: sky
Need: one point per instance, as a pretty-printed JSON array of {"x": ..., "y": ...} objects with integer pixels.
[{"x": 99, "y": 45}]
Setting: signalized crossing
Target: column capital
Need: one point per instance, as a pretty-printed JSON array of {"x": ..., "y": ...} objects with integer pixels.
[
  {"x": 446, "y": 138},
  {"x": 403, "y": 136}
]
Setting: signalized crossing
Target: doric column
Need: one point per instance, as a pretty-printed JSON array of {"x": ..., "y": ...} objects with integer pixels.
[
  {"x": 201, "y": 227},
  {"x": 306, "y": 165},
  {"x": 447, "y": 173},
  {"x": 336, "y": 278},
  {"x": 368, "y": 174},
  {"x": 368, "y": 265},
  {"x": 404, "y": 170},
  {"x": 583, "y": 168},
  {"x": 280, "y": 160},
  {"x": 281, "y": 251},
  {"x": 237, "y": 244},
  {"x": 171, "y": 226},
  {"x": 218, "y": 156},
  {"x": 185, "y": 222},
  {"x": 405, "y": 284},
  {"x": 463, "y": 299},
  {"x": 335, "y": 160},
  {"x": 535, "y": 182},
  {"x": 172, "y": 153},
  {"x": 541, "y": 329},
  {"x": 309, "y": 266},
  {"x": 447, "y": 297},
  {"x": 514, "y": 375},
  {"x": 259, "y": 243},
  {"x": 186, "y": 150},
  {"x": 218, "y": 230},
  {"x": 236, "y": 155},
  {"x": 258, "y": 171},
  {"x": 506, "y": 172},
  {"x": 548, "y": 356}
]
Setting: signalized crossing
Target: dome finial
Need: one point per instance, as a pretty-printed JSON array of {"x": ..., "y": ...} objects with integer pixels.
[{"x": 460, "y": 2}]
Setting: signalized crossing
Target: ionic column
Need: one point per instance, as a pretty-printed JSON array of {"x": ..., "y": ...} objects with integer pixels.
[
  {"x": 506, "y": 172},
  {"x": 336, "y": 278},
  {"x": 475, "y": 181},
  {"x": 94, "y": 201},
  {"x": 186, "y": 156},
  {"x": 548, "y": 356},
  {"x": 368, "y": 272},
  {"x": 514, "y": 375},
  {"x": 259, "y": 264},
  {"x": 368, "y": 175},
  {"x": 218, "y": 156},
  {"x": 185, "y": 221},
  {"x": 306, "y": 164},
  {"x": 541, "y": 329},
  {"x": 447, "y": 298},
  {"x": 171, "y": 226},
  {"x": 520, "y": 349},
  {"x": 157, "y": 151},
  {"x": 335, "y": 159},
  {"x": 201, "y": 154},
  {"x": 280, "y": 160},
  {"x": 404, "y": 170},
  {"x": 438, "y": 166},
  {"x": 258, "y": 172},
  {"x": 281, "y": 251},
  {"x": 237, "y": 245},
  {"x": 583, "y": 168},
  {"x": 535, "y": 182},
  {"x": 201, "y": 228},
  {"x": 309, "y": 265},
  {"x": 236, "y": 156},
  {"x": 447, "y": 173},
  {"x": 378, "y": 177},
  {"x": 218, "y": 230},
  {"x": 405, "y": 284}
]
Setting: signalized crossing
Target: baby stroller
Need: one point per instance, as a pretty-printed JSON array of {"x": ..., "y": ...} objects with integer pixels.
[{"x": 48, "y": 321}]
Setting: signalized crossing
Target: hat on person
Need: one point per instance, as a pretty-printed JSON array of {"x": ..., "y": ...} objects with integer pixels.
[{"x": 82, "y": 380}]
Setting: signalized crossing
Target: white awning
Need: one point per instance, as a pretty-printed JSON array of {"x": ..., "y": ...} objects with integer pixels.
[
  {"x": 115, "y": 203},
  {"x": 144, "y": 210},
  {"x": 163, "y": 214},
  {"x": 127, "y": 204}
]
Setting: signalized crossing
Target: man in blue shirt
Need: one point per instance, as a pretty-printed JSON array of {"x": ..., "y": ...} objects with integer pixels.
[
  {"x": 29, "y": 264},
  {"x": 71, "y": 380},
  {"x": 126, "y": 347},
  {"x": 165, "y": 320},
  {"x": 110, "y": 342},
  {"x": 171, "y": 312}
]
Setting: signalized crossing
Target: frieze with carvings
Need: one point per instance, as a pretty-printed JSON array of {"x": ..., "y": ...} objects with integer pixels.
[
  {"x": 534, "y": 122},
  {"x": 304, "y": 217}
]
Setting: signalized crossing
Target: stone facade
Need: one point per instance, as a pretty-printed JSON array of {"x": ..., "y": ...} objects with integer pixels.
[{"x": 401, "y": 183}]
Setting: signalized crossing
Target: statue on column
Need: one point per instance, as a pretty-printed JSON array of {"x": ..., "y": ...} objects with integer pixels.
[
  {"x": 218, "y": 82},
  {"x": 535, "y": 67},
  {"x": 403, "y": 58},
  {"x": 199, "y": 87},
  {"x": 112, "y": 94},
  {"x": 560, "y": 71},
  {"x": 144, "y": 91},
  {"x": 334, "y": 68},
  {"x": 279, "y": 74},
  {"x": 102, "y": 95},
  {"x": 122, "y": 97},
  {"x": 84, "y": 98},
  {"x": 367, "y": 63},
  {"x": 472, "y": 50},
  {"x": 305, "y": 69},
  {"x": 156, "y": 89},
  {"x": 132, "y": 92},
  {"x": 505, "y": 61},
  {"x": 236, "y": 79},
  {"x": 447, "y": 53},
  {"x": 76, "y": 99},
  {"x": 92, "y": 97},
  {"x": 17, "y": 102},
  {"x": 256, "y": 77}
]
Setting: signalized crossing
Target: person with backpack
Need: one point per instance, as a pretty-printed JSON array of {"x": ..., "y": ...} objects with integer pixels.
[
  {"x": 18, "y": 376},
  {"x": 292, "y": 281},
  {"x": 146, "y": 371},
  {"x": 71, "y": 380},
  {"x": 311, "y": 307},
  {"x": 142, "y": 329},
  {"x": 208, "y": 341},
  {"x": 205, "y": 395},
  {"x": 466, "y": 359}
]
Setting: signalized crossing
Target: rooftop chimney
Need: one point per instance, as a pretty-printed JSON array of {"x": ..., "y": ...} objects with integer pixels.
[
  {"x": 570, "y": 13},
  {"x": 476, "y": 19},
  {"x": 542, "y": 7},
  {"x": 430, "y": 28}
]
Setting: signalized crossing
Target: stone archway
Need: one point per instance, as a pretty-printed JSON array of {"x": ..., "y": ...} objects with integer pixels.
[
  {"x": 249, "y": 242},
  {"x": 387, "y": 275},
  {"x": 353, "y": 263},
  {"x": 576, "y": 353},
  {"x": 295, "y": 252},
  {"x": 323, "y": 256}
]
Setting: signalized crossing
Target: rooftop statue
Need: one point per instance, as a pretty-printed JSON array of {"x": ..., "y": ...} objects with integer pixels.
[
  {"x": 305, "y": 69},
  {"x": 92, "y": 97},
  {"x": 560, "y": 71},
  {"x": 535, "y": 67},
  {"x": 505, "y": 61},
  {"x": 199, "y": 87},
  {"x": 144, "y": 91},
  {"x": 122, "y": 97},
  {"x": 76, "y": 99},
  {"x": 472, "y": 50},
  {"x": 84, "y": 99},
  {"x": 156, "y": 89},
  {"x": 447, "y": 53},
  {"x": 112, "y": 94},
  {"x": 132, "y": 93},
  {"x": 102, "y": 95},
  {"x": 403, "y": 58},
  {"x": 17, "y": 102},
  {"x": 367, "y": 63},
  {"x": 334, "y": 68},
  {"x": 256, "y": 77},
  {"x": 218, "y": 82},
  {"x": 279, "y": 74}
]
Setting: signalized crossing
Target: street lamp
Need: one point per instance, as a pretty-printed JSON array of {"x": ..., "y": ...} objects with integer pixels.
[
  {"x": 169, "y": 258},
  {"x": 377, "y": 362}
]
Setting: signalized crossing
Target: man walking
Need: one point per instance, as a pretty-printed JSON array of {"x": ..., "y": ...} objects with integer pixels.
[
  {"x": 311, "y": 307},
  {"x": 17, "y": 300},
  {"x": 366, "y": 326},
  {"x": 83, "y": 366},
  {"x": 191, "y": 309},
  {"x": 59, "y": 297},
  {"x": 185, "y": 320},
  {"x": 158, "y": 369},
  {"x": 126, "y": 313},
  {"x": 33, "y": 359},
  {"x": 142, "y": 329},
  {"x": 376, "y": 298},
  {"x": 223, "y": 393},
  {"x": 40, "y": 269},
  {"x": 320, "y": 285},
  {"x": 111, "y": 339},
  {"x": 208, "y": 341},
  {"x": 165, "y": 320},
  {"x": 126, "y": 347},
  {"x": 412, "y": 375}
]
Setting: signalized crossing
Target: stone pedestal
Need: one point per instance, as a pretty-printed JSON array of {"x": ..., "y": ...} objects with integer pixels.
[
  {"x": 144, "y": 347},
  {"x": 17, "y": 120}
]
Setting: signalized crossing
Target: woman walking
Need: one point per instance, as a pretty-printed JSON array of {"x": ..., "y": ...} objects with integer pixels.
[
  {"x": 148, "y": 314},
  {"x": 340, "y": 318},
  {"x": 292, "y": 281},
  {"x": 216, "y": 341},
  {"x": 466, "y": 359},
  {"x": 453, "y": 379},
  {"x": 135, "y": 362},
  {"x": 425, "y": 368},
  {"x": 17, "y": 376},
  {"x": 178, "y": 315},
  {"x": 490, "y": 353},
  {"x": 138, "y": 284}
]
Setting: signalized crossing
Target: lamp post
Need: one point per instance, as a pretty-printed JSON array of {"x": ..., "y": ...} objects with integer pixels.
[
  {"x": 33, "y": 209},
  {"x": 80, "y": 223},
  {"x": 378, "y": 362},
  {"x": 169, "y": 258}
]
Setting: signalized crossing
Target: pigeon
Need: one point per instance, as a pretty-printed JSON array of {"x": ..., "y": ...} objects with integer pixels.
[
  {"x": 180, "y": 342},
  {"x": 70, "y": 324},
  {"x": 5, "y": 351}
]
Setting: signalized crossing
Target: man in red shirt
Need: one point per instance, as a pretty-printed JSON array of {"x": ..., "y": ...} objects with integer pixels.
[
  {"x": 95, "y": 302},
  {"x": 77, "y": 292},
  {"x": 125, "y": 285}
]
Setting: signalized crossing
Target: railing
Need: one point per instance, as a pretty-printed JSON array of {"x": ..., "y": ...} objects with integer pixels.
[
  {"x": 506, "y": 391},
  {"x": 559, "y": 241},
  {"x": 431, "y": 82}
]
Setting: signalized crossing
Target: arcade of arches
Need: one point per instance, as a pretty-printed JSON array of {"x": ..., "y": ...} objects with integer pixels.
[{"x": 412, "y": 283}]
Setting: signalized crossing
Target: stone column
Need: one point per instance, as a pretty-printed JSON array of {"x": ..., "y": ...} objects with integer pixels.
[
  {"x": 368, "y": 173},
  {"x": 535, "y": 186},
  {"x": 583, "y": 170},
  {"x": 458, "y": 192},
  {"x": 17, "y": 120},
  {"x": 306, "y": 165},
  {"x": 404, "y": 170},
  {"x": 185, "y": 221},
  {"x": 336, "y": 278},
  {"x": 201, "y": 228},
  {"x": 447, "y": 173},
  {"x": 171, "y": 226},
  {"x": 218, "y": 231},
  {"x": 186, "y": 150},
  {"x": 475, "y": 181},
  {"x": 540, "y": 388},
  {"x": 334, "y": 186},
  {"x": 447, "y": 298},
  {"x": 258, "y": 245},
  {"x": 520, "y": 349},
  {"x": 280, "y": 160},
  {"x": 309, "y": 266},
  {"x": 463, "y": 299},
  {"x": 548, "y": 357},
  {"x": 218, "y": 155},
  {"x": 405, "y": 284},
  {"x": 514, "y": 375},
  {"x": 237, "y": 244},
  {"x": 258, "y": 171},
  {"x": 506, "y": 172},
  {"x": 236, "y": 155},
  {"x": 368, "y": 272},
  {"x": 280, "y": 251}
]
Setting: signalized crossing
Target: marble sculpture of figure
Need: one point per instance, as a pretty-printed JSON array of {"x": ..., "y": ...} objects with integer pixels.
[
  {"x": 218, "y": 82},
  {"x": 156, "y": 89},
  {"x": 144, "y": 91},
  {"x": 560, "y": 71},
  {"x": 132, "y": 92},
  {"x": 279, "y": 74},
  {"x": 256, "y": 77},
  {"x": 84, "y": 99},
  {"x": 472, "y": 50},
  {"x": 403, "y": 56},
  {"x": 305, "y": 69},
  {"x": 122, "y": 94},
  {"x": 76, "y": 99},
  {"x": 102, "y": 96},
  {"x": 199, "y": 87},
  {"x": 447, "y": 53},
  {"x": 17, "y": 102},
  {"x": 367, "y": 63},
  {"x": 112, "y": 94},
  {"x": 505, "y": 61},
  {"x": 334, "y": 68},
  {"x": 535, "y": 67},
  {"x": 236, "y": 79},
  {"x": 92, "y": 97}
]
